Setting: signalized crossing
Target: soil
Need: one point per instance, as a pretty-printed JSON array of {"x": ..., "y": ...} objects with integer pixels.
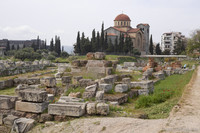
[{"x": 184, "y": 118}]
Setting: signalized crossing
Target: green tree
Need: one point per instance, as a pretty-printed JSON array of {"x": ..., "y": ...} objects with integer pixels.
[
  {"x": 158, "y": 50},
  {"x": 24, "y": 46},
  {"x": 93, "y": 41},
  {"x": 116, "y": 46},
  {"x": 105, "y": 42},
  {"x": 110, "y": 48},
  {"x": 98, "y": 42},
  {"x": 77, "y": 46},
  {"x": 179, "y": 46},
  {"x": 18, "y": 47},
  {"x": 166, "y": 52},
  {"x": 151, "y": 46},
  {"x": 13, "y": 47},
  {"x": 102, "y": 38},
  {"x": 52, "y": 45},
  {"x": 121, "y": 43}
]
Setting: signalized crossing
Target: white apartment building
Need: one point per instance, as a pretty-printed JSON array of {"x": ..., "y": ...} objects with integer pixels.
[{"x": 168, "y": 40}]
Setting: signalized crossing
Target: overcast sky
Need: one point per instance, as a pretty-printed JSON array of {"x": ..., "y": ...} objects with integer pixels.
[{"x": 25, "y": 19}]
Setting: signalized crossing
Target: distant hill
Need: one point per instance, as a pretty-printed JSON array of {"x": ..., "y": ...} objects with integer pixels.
[{"x": 69, "y": 49}]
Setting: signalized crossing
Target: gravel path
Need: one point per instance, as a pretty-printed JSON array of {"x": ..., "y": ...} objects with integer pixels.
[{"x": 184, "y": 118}]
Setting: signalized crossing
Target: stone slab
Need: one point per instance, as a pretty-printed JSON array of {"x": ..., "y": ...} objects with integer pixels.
[
  {"x": 9, "y": 120},
  {"x": 31, "y": 107},
  {"x": 33, "y": 95},
  {"x": 7, "y": 102},
  {"x": 69, "y": 109}
]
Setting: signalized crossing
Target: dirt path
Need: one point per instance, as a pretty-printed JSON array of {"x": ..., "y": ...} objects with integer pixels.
[{"x": 185, "y": 118}]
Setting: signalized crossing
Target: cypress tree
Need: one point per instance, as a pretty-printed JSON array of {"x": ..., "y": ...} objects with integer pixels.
[
  {"x": 8, "y": 46},
  {"x": 93, "y": 41},
  {"x": 121, "y": 42},
  {"x": 106, "y": 42},
  {"x": 77, "y": 46},
  {"x": 102, "y": 38},
  {"x": 51, "y": 45},
  {"x": 126, "y": 46},
  {"x": 58, "y": 46},
  {"x": 24, "y": 46},
  {"x": 98, "y": 43},
  {"x": 13, "y": 47},
  {"x": 17, "y": 47},
  {"x": 116, "y": 46},
  {"x": 37, "y": 44},
  {"x": 62, "y": 48},
  {"x": 158, "y": 50},
  {"x": 151, "y": 46},
  {"x": 110, "y": 48},
  {"x": 45, "y": 44},
  {"x": 82, "y": 44}
]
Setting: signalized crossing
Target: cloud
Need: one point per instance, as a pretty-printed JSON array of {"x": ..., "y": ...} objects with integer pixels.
[{"x": 19, "y": 32}]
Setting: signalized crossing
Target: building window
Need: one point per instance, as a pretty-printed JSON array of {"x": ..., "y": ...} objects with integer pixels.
[{"x": 121, "y": 23}]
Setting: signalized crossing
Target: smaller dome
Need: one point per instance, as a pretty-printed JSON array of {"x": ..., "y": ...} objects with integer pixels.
[{"x": 122, "y": 17}]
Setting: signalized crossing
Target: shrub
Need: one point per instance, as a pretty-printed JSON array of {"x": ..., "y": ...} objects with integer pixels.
[
  {"x": 64, "y": 54},
  {"x": 143, "y": 101},
  {"x": 51, "y": 57}
]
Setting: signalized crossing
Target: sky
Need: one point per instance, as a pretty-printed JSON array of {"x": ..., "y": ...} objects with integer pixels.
[{"x": 26, "y": 19}]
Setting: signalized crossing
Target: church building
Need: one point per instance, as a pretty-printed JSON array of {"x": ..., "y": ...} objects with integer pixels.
[{"x": 139, "y": 35}]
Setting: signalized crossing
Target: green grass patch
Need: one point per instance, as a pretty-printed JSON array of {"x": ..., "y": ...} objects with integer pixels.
[
  {"x": 171, "y": 87},
  {"x": 61, "y": 60},
  {"x": 74, "y": 90},
  {"x": 8, "y": 91},
  {"x": 123, "y": 59},
  {"x": 189, "y": 63}
]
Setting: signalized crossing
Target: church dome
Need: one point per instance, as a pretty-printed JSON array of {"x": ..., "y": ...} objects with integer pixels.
[{"x": 122, "y": 17}]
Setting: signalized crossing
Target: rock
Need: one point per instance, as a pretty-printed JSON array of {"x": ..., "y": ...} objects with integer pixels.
[
  {"x": 31, "y": 95},
  {"x": 2, "y": 116},
  {"x": 102, "y": 108},
  {"x": 66, "y": 80},
  {"x": 76, "y": 79},
  {"x": 193, "y": 67},
  {"x": 91, "y": 88},
  {"x": 99, "y": 55},
  {"x": 53, "y": 90},
  {"x": 133, "y": 93},
  {"x": 33, "y": 81},
  {"x": 49, "y": 123},
  {"x": 90, "y": 56},
  {"x": 21, "y": 87},
  {"x": 109, "y": 79},
  {"x": 159, "y": 75},
  {"x": 50, "y": 82},
  {"x": 60, "y": 118},
  {"x": 129, "y": 64},
  {"x": 7, "y": 102},
  {"x": 19, "y": 113},
  {"x": 120, "y": 98},
  {"x": 77, "y": 94},
  {"x": 83, "y": 63},
  {"x": 62, "y": 69},
  {"x": 91, "y": 108},
  {"x": 58, "y": 75},
  {"x": 50, "y": 98},
  {"x": 89, "y": 94},
  {"x": 109, "y": 70},
  {"x": 31, "y": 107},
  {"x": 67, "y": 99},
  {"x": 114, "y": 103},
  {"x": 9, "y": 120},
  {"x": 105, "y": 87},
  {"x": 45, "y": 117},
  {"x": 23, "y": 125},
  {"x": 69, "y": 109},
  {"x": 143, "y": 84},
  {"x": 8, "y": 83},
  {"x": 99, "y": 95},
  {"x": 121, "y": 88},
  {"x": 33, "y": 116},
  {"x": 126, "y": 81},
  {"x": 86, "y": 82},
  {"x": 76, "y": 63}
]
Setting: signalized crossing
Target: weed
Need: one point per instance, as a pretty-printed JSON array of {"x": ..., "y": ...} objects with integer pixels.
[
  {"x": 97, "y": 123},
  {"x": 103, "y": 128}
]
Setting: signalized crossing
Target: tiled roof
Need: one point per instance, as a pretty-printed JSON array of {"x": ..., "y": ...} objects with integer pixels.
[
  {"x": 133, "y": 30},
  {"x": 111, "y": 34},
  {"x": 122, "y": 17}
]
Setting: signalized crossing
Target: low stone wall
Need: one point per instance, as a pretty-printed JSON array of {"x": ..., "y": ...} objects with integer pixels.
[{"x": 8, "y": 68}]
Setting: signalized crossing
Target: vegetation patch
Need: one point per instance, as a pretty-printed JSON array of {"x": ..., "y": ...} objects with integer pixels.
[
  {"x": 8, "y": 91},
  {"x": 74, "y": 90}
]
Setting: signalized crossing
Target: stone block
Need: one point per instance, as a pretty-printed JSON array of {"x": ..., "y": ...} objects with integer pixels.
[
  {"x": 70, "y": 109},
  {"x": 89, "y": 94},
  {"x": 23, "y": 125},
  {"x": 8, "y": 83},
  {"x": 33, "y": 81},
  {"x": 120, "y": 98},
  {"x": 99, "y": 55},
  {"x": 66, "y": 99},
  {"x": 7, "y": 102},
  {"x": 31, "y": 107},
  {"x": 129, "y": 64},
  {"x": 76, "y": 79},
  {"x": 133, "y": 93},
  {"x": 143, "y": 84},
  {"x": 45, "y": 117},
  {"x": 50, "y": 82},
  {"x": 109, "y": 70},
  {"x": 2, "y": 116},
  {"x": 159, "y": 75},
  {"x": 102, "y": 108},
  {"x": 121, "y": 88},
  {"x": 33, "y": 95},
  {"x": 91, "y": 88},
  {"x": 99, "y": 95},
  {"x": 105, "y": 87},
  {"x": 111, "y": 79},
  {"x": 86, "y": 82},
  {"x": 58, "y": 75},
  {"x": 77, "y": 94},
  {"x": 90, "y": 56},
  {"x": 1, "y": 85},
  {"x": 66, "y": 79},
  {"x": 91, "y": 108},
  {"x": 9, "y": 120}
]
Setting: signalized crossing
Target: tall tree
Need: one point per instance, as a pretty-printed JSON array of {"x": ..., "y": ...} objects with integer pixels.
[
  {"x": 59, "y": 46},
  {"x": 151, "y": 46},
  {"x": 121, "y": 43},
  {"x": 52, "y": 45},
  {"x": 45, "y": 44},
  {"x": 98, "y": 42},
  {"x": 93, "y": 41},
  {"x": 158, "y": 50},
  {"x": 82, "y": 44},
  {"x": 116, "y": 46},
  {"x": 8, "y": 46},
  {"x": 179, "y": 46},
  {"x": 24, "y": 46},
  {"x": 102, "y": 38},
  {"x": 13, "y": 47},
  {"x": 18, "y": 47},
  {"x": 62, "y": 48},
  {"x": 105, "y": 42},
  {"x": 38, "y": 43},
  {"x": 110, "y": 48},
  {"x": 77, "y": 46}
]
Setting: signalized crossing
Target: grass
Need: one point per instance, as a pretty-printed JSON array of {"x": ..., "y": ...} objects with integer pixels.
[
  {"x": 74, "y": 90},
  {"x": 8, "y": 91},
  {"x": 61, "y": 60},
  {"x": 189, "y": 63},
  {"x": 166, "y": 95}
]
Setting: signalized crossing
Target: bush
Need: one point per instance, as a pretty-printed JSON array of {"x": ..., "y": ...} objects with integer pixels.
[
  {"x": 143, "y": 101},
  {"x": 64, "y": 54},
  {"x": 51, "y": 57}
]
